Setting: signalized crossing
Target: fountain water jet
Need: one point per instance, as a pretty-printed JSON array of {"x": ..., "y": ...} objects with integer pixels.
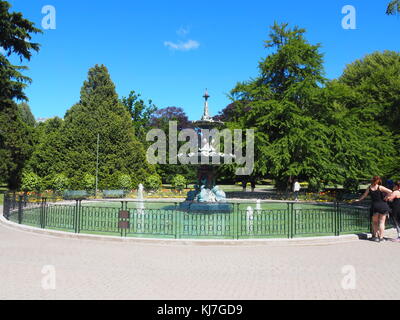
[
  {"x": 249, "y": 218},
  {"x": 258, "y": 205},
  {"x": 140, "y": 204}
]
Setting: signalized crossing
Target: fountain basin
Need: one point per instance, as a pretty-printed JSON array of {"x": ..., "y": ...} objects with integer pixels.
[{"x": 205, "y": 207}]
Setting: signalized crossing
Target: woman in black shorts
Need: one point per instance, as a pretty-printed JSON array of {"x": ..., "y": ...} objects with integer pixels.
[
  {"x": 380, "y": 210},
  {"x": 394, "y": 200}
]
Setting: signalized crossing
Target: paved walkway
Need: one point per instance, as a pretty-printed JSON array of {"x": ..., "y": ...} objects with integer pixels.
[{"x": 88, "y": 269}]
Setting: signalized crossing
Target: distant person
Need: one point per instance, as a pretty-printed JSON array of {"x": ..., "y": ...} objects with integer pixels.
[
  {"x": 390, "y": 184},
  {"x": 253, "y": 185},
  {"x": 296, "y": 189},
  {"x": 394, "y": 201},
  {"x": 244, "y": 185},
  {"x": 380, "y": 210}
]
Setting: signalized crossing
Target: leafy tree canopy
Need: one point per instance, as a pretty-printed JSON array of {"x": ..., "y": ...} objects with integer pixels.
[
  {"x": 69, "y": 146},
  {"x": 26, "y": 114},
  {"x": 393, "y": 7},
  {"x": 375, "y": 80},
  {"x": 305, "y": 126},
  {"x": 140, "y": 113}
]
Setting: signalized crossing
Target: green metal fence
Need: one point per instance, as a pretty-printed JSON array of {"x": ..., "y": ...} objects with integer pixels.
[{"x": 165, "y": 220}]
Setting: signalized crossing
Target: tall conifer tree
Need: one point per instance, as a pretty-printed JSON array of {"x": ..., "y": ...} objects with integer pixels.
[
  {"x": 15, "y": 136},
  {"x": 99, "y": 112}
]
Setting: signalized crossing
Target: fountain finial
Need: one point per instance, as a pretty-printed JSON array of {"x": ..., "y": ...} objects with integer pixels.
[
  {"x": 206, "y": 95},
  {"x": 206, "y": 115}
]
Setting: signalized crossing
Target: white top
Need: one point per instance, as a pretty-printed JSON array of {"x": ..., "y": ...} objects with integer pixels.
[{"x": 296, "y": 187}]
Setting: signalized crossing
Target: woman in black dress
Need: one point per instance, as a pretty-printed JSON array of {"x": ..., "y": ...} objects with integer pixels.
[
  {"x": 394, "y": 200},
  {"x": 380, "y": 210}
]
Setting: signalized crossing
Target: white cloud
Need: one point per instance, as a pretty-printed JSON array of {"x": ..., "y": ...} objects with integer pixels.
[{"x": 182, "y": 46}]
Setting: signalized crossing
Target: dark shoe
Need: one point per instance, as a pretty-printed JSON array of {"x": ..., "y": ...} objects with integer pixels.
[{"x": 375, "y": 239}]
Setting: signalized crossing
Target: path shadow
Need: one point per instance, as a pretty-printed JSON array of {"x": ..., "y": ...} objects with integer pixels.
[
  {"x": 364, "y": 236},
  {"x": 368, "y": 237}
]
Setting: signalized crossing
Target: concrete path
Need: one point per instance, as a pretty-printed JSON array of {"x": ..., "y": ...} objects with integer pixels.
[{"x": 34, "y": 266}]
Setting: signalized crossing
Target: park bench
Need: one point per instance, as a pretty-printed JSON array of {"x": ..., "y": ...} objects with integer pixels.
[{"x": 114, "y": 194}]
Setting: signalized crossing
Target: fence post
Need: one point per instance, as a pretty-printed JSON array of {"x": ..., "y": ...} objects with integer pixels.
[
  {"x": 233, "y": 223},
  {"x": 334, "y": 218},
  {"x": 339, "y": 218},
  {"x": 124, "y": 219},
  {"x": 45, "y": 212},
  {"x": 287, "y": 222},
  {"x": 291, "y": 222},
  {"x": 129, "y": 219},
  {"x": 175, "y": 221},
  {"x": 14, "y": 201},
  {"x": 76, "y": 216},
  {"x": 6, "y": 206},
  {"x": 337, "y": 226},
  {"x": 20, "y": 210},
  {"x": 44, "y": 204},
  {"x": 181, "y": 219},
  {"x": 237, "y": 221},
  {"x": 79, "y": 216},
  {"x": 42, "y": 213},
  {"x": 120, "y": 219},
  {"x": 25, "y": 199}
]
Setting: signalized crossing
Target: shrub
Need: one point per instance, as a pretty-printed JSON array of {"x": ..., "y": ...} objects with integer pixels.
[
  {"x": 30, "y": 182},
  {"x": 109, "y": 182},
  {"x": 315, "y": 185},
  {"x": 89, "y": 182},
  {"x": 153, "y": 182},
  {"x": 77, "y": 182},
  {"x": 59, "y": 182},
  {"x": 139, "y": 177},
  {"x": 351, "y": 185},
  {"x": 125, "y": 182},
  {"x": 179, "y": 182}
]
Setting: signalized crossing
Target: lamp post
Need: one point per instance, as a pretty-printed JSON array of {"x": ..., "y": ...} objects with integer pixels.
[{"x": 97, "y": 164}]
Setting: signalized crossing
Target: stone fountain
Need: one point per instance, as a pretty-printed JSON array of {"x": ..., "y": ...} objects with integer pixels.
[{"x": 207, "y": 197}]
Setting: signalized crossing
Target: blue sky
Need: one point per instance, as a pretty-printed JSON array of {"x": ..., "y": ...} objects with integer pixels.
[{"x": 170, "y": 51}]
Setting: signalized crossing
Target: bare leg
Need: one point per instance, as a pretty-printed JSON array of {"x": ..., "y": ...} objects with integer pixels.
[
  {"x": 382, "y": 221},
  {"x": 396, "y": 225},
  {"x": 375, "y": 223}
]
